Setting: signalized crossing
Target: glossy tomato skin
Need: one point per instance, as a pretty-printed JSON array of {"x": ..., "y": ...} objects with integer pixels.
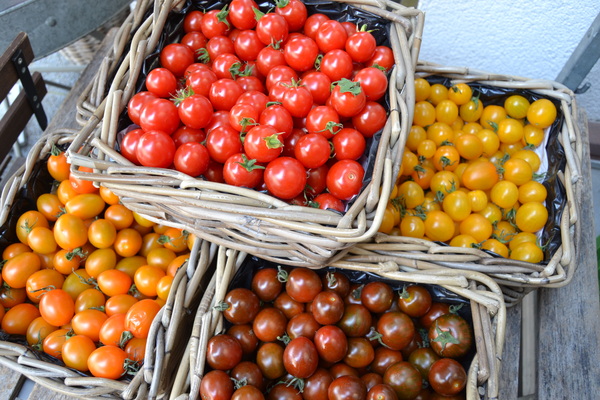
[
  {"x": 139, "y": 317},
  {"x": 344, "y": 179},
  {"x": 404, "y": 379},
  {"x": 159, "y": 115},
  {"x": 315, "y": 387},
  {"x": 222, "y": 142},
  {"x": 266, "y": 285},
  {"x": 155, "y": 149},
  {"x": 347, "y": 388},
  {"x": 191, "y": 159},
  {"x": 216, "y": 385},
  {"x": 301, "y": 52},
  {"x": 223, "y": 352},
  {"x": 242, "y": 306},
  {"x": 269, "y": 358},
  {"x": 285, "y": 177},
  {"x": 303, "y": 284},
  {"x": 269, "y": 324},
  {"x": 415, "y": 300},
  {"x": 461, "y": 336},
  {"x": 303, "y": 324},
  {"x": 447, "y": 377},
  {"x": 331, "y": 343},
  {"x": 241, "y": 171},
  {"x": 300, "y": 357},
  {"x": 107, "y": 362},
  {"x": 396, "y": 328}
]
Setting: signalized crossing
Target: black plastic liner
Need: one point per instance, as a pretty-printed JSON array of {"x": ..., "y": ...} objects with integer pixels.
[
  {"x": 557, "y": 195},
  {"x": 173, "y": 32}
]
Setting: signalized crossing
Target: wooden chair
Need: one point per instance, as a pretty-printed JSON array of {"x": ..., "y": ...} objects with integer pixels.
[{"x": 14, "y": 64}]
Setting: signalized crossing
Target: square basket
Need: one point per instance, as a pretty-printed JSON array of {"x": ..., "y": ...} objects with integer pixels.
[
  {"x": 240, "y": 218},
  {"x": 482, "y": 294},
  {"x": 563, "y": 180},
  {"x": 172, "y": 322}
]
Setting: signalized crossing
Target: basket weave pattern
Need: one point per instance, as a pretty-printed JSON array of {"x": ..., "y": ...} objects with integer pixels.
[{"x": 241, "y": 218}]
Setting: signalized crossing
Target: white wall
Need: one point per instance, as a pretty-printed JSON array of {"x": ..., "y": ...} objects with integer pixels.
[{"x": 532, "y": 38}]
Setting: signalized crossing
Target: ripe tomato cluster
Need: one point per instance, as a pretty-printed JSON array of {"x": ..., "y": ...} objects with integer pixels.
[
  {"x": 470, "y": 171},
  {"x": 283, "y": 102},
  {"x": 87, "y": 276},
  {"x": 297, "y": 335}
]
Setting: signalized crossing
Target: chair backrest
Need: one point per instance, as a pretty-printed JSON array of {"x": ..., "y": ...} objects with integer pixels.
[{"x": 13, "y": 68}]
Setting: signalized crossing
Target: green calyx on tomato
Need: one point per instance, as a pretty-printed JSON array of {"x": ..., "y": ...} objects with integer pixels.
[
  {"x": 444, "y": 338},
  {"x": 222, "y": 15},
  {"x": 348, "y": 86},
  {"x": 249, "y": 165}
]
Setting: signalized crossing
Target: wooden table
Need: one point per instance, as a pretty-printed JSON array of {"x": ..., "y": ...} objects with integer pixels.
[{"x": 553, "y": 337}]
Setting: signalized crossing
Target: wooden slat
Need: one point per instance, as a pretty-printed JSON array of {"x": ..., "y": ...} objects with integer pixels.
[
  {"x": 509, "y": 382},
  {"x": 40, "y": 392},
  {"x": 529, "y": 333},
  {"x": 17, "y": 116},
  {"x": 594, "y": 128},
  {"x": 569, "y": 339},
  {"x": 7, "y": 69},
  {"x": 11, "y": 383}
]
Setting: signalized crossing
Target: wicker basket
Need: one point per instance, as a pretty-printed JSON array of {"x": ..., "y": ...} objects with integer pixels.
[
  {"x": 516, "y": 278},
  {"x": 91, "y": 101},
  {"x": 163, "y": 346},
  {"x": 486, "y": 300},
  {"x": 245, "y": 219}
]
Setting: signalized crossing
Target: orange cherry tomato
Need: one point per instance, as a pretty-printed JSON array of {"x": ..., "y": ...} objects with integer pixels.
[
  {"x": 491, "y": 116},
  {"x": 29, "y": 220},
  {"x": 65, "y": 192},
  {"x": 88, "y": 322},
  {"x": 89, "y": 298},
  {"x": 460, "y": 93},
  {"x": 112, "y": 330},
  {"x": 52, "y": 344},
  {"x": 140, "y": 316},
  {"x": 439, "y": 226},
  {"x": 38, "y": 330},
  {"x": 14, "y": 249},
  {"x": 57, "y": 307},
  {"x": 107, "y": 362},
  {"x": 41, "y": 240},
  {"x": 76, "y": 350},
  {"x": 81, "y": 185},
  {"x": 146, "y": 278},
  {"x": 130, "y": 264},
  {"x": 18, "y": 269},
  {"x": 85, "y": 206},
  {"x": 480, "y": 174},
  {"x": 113, "y": 282},
  {"x": 49, "y": 205},
  {"x": 57, "y": 165},
  {"x": 136, "y": 349},
  {"x": 128, "y": 242},
  {"x": 17, "y": 319},
  {"x": 119, "y": 215},
  {"x": 541, "y": 113},
  {"x": 108, "y": 196},
  {"x": 174, "y": 239},
  {"x": 119, "y": 304},
  {"x": 42, "y": 281},
  {"x": 70, "y": 232}
]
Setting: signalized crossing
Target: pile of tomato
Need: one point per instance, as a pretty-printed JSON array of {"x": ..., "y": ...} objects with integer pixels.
[
  {"x": 295, "y": 334},
  {"x": 87, "y": 276},
  {"x": 470, "y": 174},
  {"x": 283, "y": 102}
]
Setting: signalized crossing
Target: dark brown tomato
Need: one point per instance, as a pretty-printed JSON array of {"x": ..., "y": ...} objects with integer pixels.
[
  {"x": 288, "y": 306},
  {"x": 266, "y": 285},
  {"x": 360, "y": 353},
  {"x": 300, "y": 357},
  {"x": 331, "y": 343},
  {"x": 216, "y": 385},
  {"x": 342, "y": 369},
  {"x": 396, "y": 329},
  {"x": 377, "y": 296},
  {"x": 303, "y": 324},
  {"x": 247, "y": 392},
  {"x": 245, "y": 335},
  {"x": 415, "y": 343},
  {"x": 242, "y": 306},
  {"x": 336, "y": 282},
  {"x": 382, "y": 392},
  {"x": 371, "y": 379},
  {"x": 415, "y": 301},
  {"x": 269, "y": 324},
  {"x": 437, "y": 309},
  {"x": 404, "y": 379},
  {"x": 269, "y": 359},
  {"x": 450, "y": 336},
  {"x": 223, "y": 352},
  {"x": 447, "y": 377},
  {"x": 327, "y": 307},
  {"x": 385, "y": 357},
  {"x": 303, "y": 284},
  {"x": 316, "y": 385},
  {"x": 347, "y": 387},
  {"x": 283, "y": 392},
  {"x": 353, "y": 296},
  {"x": 356, "y": 320},
  {"x": 249, "y": 372},
  {"x": 422, "y": 359}
]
